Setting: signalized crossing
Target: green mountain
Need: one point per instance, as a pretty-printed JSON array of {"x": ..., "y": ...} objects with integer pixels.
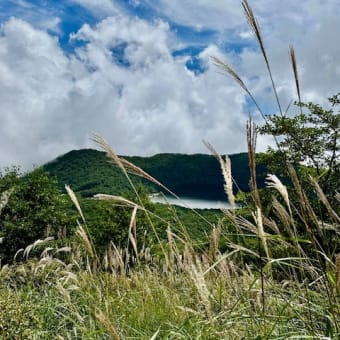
[{"x": 89, "y": 172}]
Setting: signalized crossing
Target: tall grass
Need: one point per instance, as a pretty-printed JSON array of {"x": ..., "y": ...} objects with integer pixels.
[{"x": 264, "y": 275}]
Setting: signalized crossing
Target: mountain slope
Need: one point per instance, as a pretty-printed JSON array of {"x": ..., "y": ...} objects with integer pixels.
[{"x": 89, "y": 172}]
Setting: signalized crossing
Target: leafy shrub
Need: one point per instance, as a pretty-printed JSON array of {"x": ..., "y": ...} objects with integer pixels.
[{"x": 35, "y": 209}]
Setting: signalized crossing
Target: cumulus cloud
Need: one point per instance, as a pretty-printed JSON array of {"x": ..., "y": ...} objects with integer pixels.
[
  {"x": 158, "y": 104},
  {"x": 144, "y": 103},
  {"x": 311, "y": 28},
  {"x": 124, "y": 82},
  {"x": 34, "y": 80}
]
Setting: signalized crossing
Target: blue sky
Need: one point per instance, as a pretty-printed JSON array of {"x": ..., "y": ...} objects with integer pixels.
[{"x": 139, "y": 72}]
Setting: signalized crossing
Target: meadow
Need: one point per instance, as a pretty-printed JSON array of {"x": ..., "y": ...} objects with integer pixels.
[{"x": 250, "y": 278}]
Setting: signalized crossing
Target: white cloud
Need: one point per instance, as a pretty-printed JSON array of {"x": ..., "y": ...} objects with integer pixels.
[
  {"x": 311, "y": 27},
  {"x": 35, "y": 81},
  {"x": 42, "y": 18},
  {"x": 52, "y": 102},
  {"x": 217, "y": 14},
  {"x": 146, "y": 43},
  {"x": 99, "y": 7}
]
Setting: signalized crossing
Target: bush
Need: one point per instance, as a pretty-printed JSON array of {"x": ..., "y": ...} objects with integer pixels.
[{"x": 35, "y": 210}]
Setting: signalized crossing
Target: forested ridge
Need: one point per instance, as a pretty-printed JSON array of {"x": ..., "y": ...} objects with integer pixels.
[{"x": 90, "y": 172}]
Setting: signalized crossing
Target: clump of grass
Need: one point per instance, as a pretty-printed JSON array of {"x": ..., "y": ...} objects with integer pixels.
[{"x": 199, "y": 295}]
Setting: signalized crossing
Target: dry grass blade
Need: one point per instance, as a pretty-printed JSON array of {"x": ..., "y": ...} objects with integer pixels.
[
  {"x": 121, "y": 201},
  {"x": 46, "y": 251},
  {"x": 251, "y": 139},
  {"x": 75, "y": 201},
  {"x": 260, "y": 231},
  {"x": 297, "y": 186},
  {"x": 123, "y": 164},
  {"x": 105, "y": 321},
  {"x": 21, "y": 250},
  {"x": 214, "y": 243},
  {"x": 245, "y": 224},
  {"x": 4, "y": 198},
  {"x": 173, "y": 249},
  {"x": 133, "y": 232},
  {"x": 83, "y": 233},
  {"x": 324, "y": 199},
  {"x": 337, "y": 196},
  {"x": 117, "y": 199},
  {"x": 240, "y": 248},
  {"x": 198, "y": 279},
  {"x": 221, "y": 259},
  {"x": 34, "y": 245},
  {"x": 254, "y": 26},
  {"x": 86, "y": 241},
  {"x": 225, "y": 165},
  {"x": 284, "y": 217},
  {"x": 307, "y": 214},
  {"x": 227, "y": 68},
  {"x": 115, "y": 258},
  {"x": 63, "y": 250},
  {"x": 295, "y": 70},
  {"x": 273, "y": 181},
  {"x": 135, "y": 170},
  {"x": 270, "y": 223},
  {"x": 110, "y": 153},
  {"x": 256, "y": 30}
]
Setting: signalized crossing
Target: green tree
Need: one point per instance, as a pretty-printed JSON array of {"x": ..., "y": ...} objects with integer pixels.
[
  {"x": 308, "y": 140},
  {"x": 35, "y": 209}
]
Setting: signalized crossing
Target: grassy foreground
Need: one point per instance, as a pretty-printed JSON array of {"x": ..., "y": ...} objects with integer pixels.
[
  {"x": 50, "y": 299},
  {"x": 249, "y": 282},
  {"x": 185, "y": 299},
  {"x": 169, "y": 306},
  {"x": 273, "y": 273}
]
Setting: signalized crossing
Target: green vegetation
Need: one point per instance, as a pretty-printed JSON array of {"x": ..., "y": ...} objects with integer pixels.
[
  {"x": 310, "y": 137},
  {"x": 108, "y": 222},
  {"x": 210, "y": 275},
  {"x": 89, "y": 172},
  {"x": 35, "y": 210},
  {"x": 127, "y": 268}
]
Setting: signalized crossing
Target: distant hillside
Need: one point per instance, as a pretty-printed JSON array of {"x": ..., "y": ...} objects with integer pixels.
[{"x": 90, "y": 172}]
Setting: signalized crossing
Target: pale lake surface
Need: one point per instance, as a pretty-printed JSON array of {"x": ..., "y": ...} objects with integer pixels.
[{"x": 194, "y": 203}]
